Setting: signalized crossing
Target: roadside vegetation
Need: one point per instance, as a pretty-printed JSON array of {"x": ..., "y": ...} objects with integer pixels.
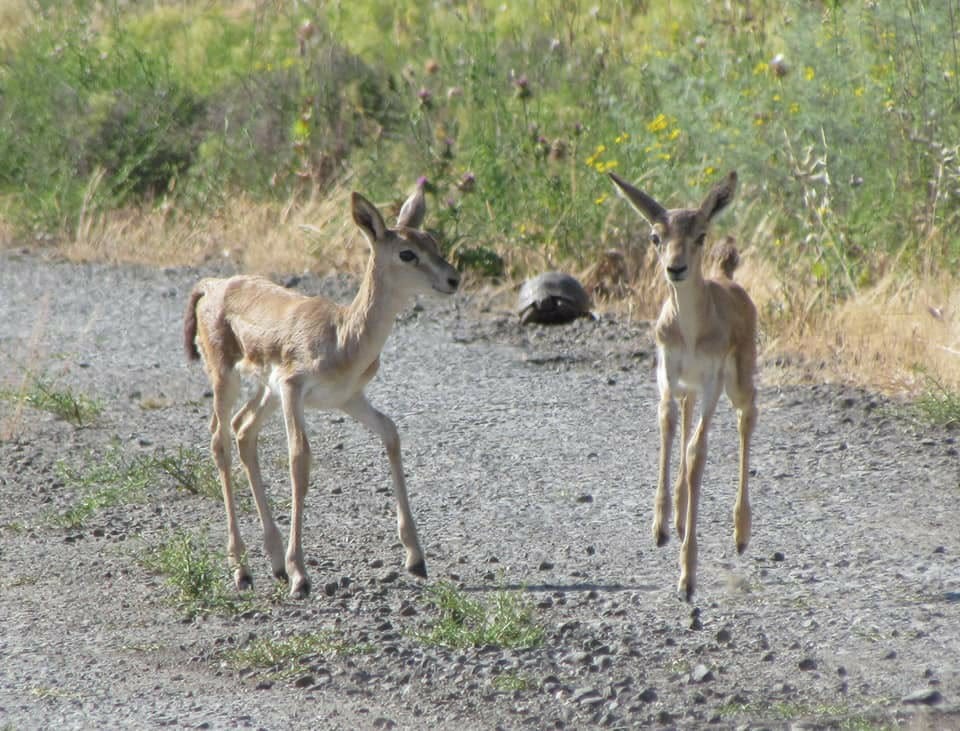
[
  {"x": 197, "y": 576},
  {"x": 285, "y": 657},
  {"x": 460, "y": 621},
  {"x": 119, "y": 476},
  {"x": 170, "y": 132},
  {"x": 44, "y": 394}
]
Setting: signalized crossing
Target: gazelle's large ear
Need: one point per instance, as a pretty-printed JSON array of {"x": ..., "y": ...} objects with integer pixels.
[
  {"x": 414, "y": 208},
  {"x": 644, "y": 204},
  {"x": 368, "y": 218},
  {"x": 718, "y": 198}
]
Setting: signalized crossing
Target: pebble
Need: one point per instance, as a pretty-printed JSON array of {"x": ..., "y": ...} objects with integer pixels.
[
  {"x": 924, "y": 696},
  {"x": 586, "y": 697},
  {"x": 648, "y": 695},
  {"x": 808, "y": 663},
  {"x": 701, "y": 674}
]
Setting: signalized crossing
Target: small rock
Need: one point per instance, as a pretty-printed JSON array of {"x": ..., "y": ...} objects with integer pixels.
[
  {"x": 545, "y": 566},
  {"x": 377, "y": 563},
  {"x": 586, "y": 697},
  {"x": 892, "y": 655},
  {"x": 383, "y": 722},
  {"x": 585, "y": 498},
  {"x": 389, "y": 577},
  {"x": 648, "y": 695},
  {"x": 778, "y": 556},
  {"x": 304, "y": 681},
  {"x": 808, "y": 663},
  {"x": 330, "y": 588},
  {"x": 701, "y": 674},
  {"x": 723, "y": 635},
  {"x": 924, "y": 696}
]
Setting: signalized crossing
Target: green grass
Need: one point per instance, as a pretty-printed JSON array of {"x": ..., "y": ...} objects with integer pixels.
[
  {"x": 119, "y": 476},
  {"x": 938, "y": 404},
  {"x": 511, "y": 682},
  {"x": 840, "y": 717},
  {"x": 197, "y": 576},
  {"x": 506, "y": 620},
  {"x": 61, "y": 401},
  {"x": 286, "y": 656},
  {"x": 109, "y": 105}
]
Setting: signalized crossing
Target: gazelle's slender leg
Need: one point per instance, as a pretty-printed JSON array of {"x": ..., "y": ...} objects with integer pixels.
[
  {"x": 746, "y": 420},
  {"x": 743, "y": 393},
  {"x": 668, "y": 427},
  {"x": 291, "y": 396},
  {"x": 687, "y": 403},
  {"x": 696, "y": 461},
  {"x": 360, "y": 409},
  {"x": 225, "y": 389},
  {"x": 246, "y": 425}
]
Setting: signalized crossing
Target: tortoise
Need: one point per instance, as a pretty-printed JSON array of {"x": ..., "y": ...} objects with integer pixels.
[{"x": 552, "y": 298}]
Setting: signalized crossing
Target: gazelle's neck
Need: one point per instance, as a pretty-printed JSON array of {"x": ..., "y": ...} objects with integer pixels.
[
  {"x": 689, "y": 299},
  {"x": 369, "y": 318}
]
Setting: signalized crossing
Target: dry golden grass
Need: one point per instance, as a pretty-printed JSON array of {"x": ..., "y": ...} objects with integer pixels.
[{"x": 315, "y": 234}]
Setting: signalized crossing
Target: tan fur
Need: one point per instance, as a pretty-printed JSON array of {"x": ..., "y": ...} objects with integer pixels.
[
  {"x": 706, "y": 341},
  {"x": 308, "y": 351}
]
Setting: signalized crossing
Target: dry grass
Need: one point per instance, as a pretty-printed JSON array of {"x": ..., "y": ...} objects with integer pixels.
[{"x": 263, "y": 237}]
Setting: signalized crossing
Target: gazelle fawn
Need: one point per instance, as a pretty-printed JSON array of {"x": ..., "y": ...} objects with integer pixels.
[
  {"x": 706, "y": 341},
  {"x": 308, "y": 351}
]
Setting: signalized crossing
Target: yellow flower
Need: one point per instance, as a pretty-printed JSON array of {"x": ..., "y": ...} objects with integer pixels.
[
  {"x": 622, "y": 138},
  {"x": 859, "y": 91},
  {"x": 794, "y": 108},
  {"x": 674, "y": 133},
  {"x": 809, "y": 74},
  {"x": 599, "y": 201},
  {"x": 664, "y": 155},
  {"x": 759, "y": 121},
  {"x": 709, "y": 170},
  {"x": 776, "y": 97},
  {"x": 659, "y": 124},
  {"x": 760, "y": 68}
]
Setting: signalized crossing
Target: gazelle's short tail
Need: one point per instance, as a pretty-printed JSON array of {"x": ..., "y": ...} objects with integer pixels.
[
  {"x": 727, "y": 257},
  {"x": 190, "y": 324}
]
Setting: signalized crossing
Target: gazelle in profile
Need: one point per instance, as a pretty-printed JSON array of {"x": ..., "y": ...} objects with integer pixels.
[
  {"x": 308, "y": 351},
  {"x": 706, "y": 341}
]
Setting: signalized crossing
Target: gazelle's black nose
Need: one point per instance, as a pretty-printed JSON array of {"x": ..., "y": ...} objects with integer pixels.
[
  {"x": 676, "y": 273},
  {"x": 454, "y": 282}
]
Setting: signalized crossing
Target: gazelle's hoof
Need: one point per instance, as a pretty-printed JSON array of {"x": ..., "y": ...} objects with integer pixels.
[
  {"x": 418, "y": 569},
  {"x": 243, "y": 580},
  {"x": 301, "y": 590},
  {"x": 281, "y": 575},
  {"x": 661, "y": 538},
  {"x": 685, "y": 591},
  {"x": 741, "y": 547}
]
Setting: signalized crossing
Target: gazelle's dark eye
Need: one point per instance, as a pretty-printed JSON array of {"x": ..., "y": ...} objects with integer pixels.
[
  {"x": 655, "y": 238},
  {"x": 408, "y": 256}
]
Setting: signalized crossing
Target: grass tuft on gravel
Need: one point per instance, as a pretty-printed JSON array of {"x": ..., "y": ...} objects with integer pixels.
[
  {"x": 938, "y": 404},
  {"x": 287, "y": 656},
  {"x": 506, "y": 621},
  {"x": 117, "y": 477},
  {"x": 197, "y": 575},
  {"x": 62, "y": 401}
]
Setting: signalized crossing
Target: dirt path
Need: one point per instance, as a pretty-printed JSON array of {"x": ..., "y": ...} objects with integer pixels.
[{"x": 531, "y": 459}]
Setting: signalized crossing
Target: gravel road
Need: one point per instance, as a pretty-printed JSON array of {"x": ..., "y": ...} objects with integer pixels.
[{"x": 531, "y": 460}]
